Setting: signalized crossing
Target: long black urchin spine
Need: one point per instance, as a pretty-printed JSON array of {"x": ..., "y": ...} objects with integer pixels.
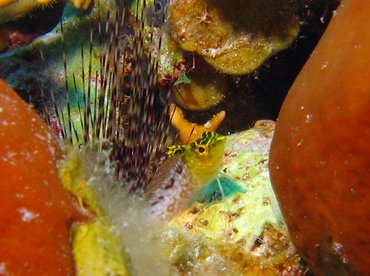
[
  {"x": 146, "y": 130},
  {"x": 127, "y": 110}
]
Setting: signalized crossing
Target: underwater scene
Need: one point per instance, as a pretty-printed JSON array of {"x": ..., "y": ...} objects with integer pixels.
[{"x": 184, "y": 137}]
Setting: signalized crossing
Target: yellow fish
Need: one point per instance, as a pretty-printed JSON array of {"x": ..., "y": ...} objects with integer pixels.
[{"x": 187, "y": 170}]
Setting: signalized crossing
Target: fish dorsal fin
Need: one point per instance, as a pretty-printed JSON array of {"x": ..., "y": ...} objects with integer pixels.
[
  {"x": 164, "y": 174},
  {"x": 170, "y": 190}
]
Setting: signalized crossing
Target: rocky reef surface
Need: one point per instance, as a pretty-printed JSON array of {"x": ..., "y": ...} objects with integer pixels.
[{"x": 234, "y": 226}]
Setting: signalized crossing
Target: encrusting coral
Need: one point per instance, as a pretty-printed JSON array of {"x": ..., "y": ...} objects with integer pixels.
[
  {"x": 237, "y": 36},
  {"x": 235, "y": 227},
  {"x": 209, "y": 236},
  {"x": 96, "y": 247}
]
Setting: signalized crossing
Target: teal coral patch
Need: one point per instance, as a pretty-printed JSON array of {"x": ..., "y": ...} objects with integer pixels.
[{"x": 212, "y": 192}]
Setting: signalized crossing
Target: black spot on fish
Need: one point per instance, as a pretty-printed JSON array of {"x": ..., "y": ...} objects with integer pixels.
[{"x": 156, "y": 13}]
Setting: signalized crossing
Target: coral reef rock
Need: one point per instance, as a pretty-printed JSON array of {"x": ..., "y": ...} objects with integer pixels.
[
  {"x": 234, "y": 36},
  {"x": 235, "y": 226}
]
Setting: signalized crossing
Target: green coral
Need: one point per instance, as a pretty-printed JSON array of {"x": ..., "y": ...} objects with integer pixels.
[{"x": 235, "y": 225}]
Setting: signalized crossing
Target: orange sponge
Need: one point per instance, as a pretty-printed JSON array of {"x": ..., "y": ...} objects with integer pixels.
[
  {"x": 36, "y": 213},
  {"x": 320, "y": 155}
]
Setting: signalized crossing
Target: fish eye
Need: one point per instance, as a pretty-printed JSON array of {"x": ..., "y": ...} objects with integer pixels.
[
  {"x": 158, "y": 7},
  {"x": 202, "y": 150}
]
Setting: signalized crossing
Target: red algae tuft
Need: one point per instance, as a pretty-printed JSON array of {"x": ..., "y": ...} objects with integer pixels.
[
  {"x": 36, "y": 213},
  {"x": 320, "y": 155}
]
